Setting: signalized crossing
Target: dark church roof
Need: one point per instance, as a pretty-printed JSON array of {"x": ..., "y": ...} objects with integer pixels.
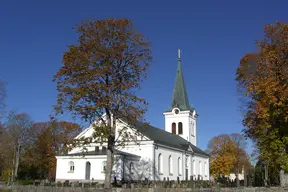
[
  {"x": 157, "y": 135},
  {"x": 180, "y": 98},
  {"x": 101, "y": 152},
  {"x": 165, "y": 138}
]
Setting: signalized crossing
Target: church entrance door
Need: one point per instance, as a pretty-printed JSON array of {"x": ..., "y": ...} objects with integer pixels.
[
  {"x": 186, "y": 174},
  {"x": 88, "y": 169}
]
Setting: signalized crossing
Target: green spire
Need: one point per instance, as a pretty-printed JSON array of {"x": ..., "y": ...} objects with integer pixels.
[{"x": 180, "y": 98}]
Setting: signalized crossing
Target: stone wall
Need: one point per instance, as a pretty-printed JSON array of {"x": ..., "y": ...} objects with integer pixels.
[
  {"x": 78, "y": 189},
  {"x": 283, "y": 179}
]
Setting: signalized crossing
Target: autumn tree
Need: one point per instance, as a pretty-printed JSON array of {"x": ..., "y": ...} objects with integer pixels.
[
  {"x": 5, "y": 153},
  {"x": 222, "y": 150},
  {"x": 2, "y": 99},
  {"x": 50, "y": 139},
  {"x": 241, "y": 157},
  {"x": 64, "y": 133},
  {"x": 17, "y": 133},
  {"x": 100, "y": 75},
  {"x": 227, "y": 154},
  {"x": 263, "y": 77}
]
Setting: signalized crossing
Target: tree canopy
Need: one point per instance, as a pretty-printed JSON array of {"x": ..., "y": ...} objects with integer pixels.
[
  {"x": 263, "y": 76},
  {"x": 228, "y": 154},
  {"x": 100, "y": 74},
  {"x": 28, "y": 149}
]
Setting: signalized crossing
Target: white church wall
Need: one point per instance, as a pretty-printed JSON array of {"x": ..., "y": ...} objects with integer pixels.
[
  {"x": 164, "y": 164},
  {"x": 143, "y": 168},
  {"x": 79, "y": 149},
  {"x": 97, "y": 173},
  {"x": 200, "y": 166}
]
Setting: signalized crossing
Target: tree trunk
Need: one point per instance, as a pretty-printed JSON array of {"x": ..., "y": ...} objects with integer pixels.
[
  {"x": 110, "y": 153},
  {"x": 109, "y": 167},
  {"x": 237, "y": 178},
  {"x": 13, "y": 167},
  {"x": 17, "y": 161},
  {"x": 11, "y": 171},
  {"x": 266, "y": 175}
]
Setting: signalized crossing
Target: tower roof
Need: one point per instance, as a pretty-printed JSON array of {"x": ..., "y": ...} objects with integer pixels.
[{"x": 180, "y": 98}]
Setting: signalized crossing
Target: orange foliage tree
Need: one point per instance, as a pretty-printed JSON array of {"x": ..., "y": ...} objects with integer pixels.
[
  {"x": 50, "y": 139},
  {"x": 263, "y": 77},
  {"x": 227, "y": 154},
  {"x": 222, "y": 150},
  {"x": 100, "y": 75}
]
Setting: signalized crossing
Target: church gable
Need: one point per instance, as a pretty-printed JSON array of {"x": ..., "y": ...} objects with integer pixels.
[{"x": 123, "y": 130}]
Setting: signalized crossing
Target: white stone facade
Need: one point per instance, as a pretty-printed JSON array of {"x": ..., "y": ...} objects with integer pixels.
[{"x": 151, "y": 158}]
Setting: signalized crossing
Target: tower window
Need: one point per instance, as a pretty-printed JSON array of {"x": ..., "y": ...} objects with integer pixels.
[
  {"x": 174, "y": 128},
  {"x": 180, "y": 128}
]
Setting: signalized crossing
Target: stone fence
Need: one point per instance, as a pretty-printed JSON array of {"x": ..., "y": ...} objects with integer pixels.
[{"x": 80, "y": 189}]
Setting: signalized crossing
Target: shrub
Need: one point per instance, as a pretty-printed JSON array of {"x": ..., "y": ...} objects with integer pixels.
[{"x": 25, "y": 182}]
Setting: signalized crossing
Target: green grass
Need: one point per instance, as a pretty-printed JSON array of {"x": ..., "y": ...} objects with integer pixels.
[{"x": 5, "y": 190}]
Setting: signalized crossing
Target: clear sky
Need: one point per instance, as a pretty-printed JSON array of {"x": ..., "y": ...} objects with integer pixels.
[{"x": 213, "y": 36}]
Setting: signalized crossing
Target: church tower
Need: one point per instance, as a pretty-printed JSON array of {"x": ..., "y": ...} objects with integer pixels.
[{"x": 180, "y": 118}]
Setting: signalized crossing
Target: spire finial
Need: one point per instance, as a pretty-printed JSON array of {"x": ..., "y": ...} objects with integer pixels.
[{"x": 179, "y": 51}]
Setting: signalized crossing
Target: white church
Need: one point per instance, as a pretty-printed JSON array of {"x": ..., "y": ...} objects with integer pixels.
[{"x": 160, "y": 154}]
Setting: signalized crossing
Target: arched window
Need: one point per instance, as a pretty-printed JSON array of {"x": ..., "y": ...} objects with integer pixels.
[
  {"x": 200, "y": 168},
  {"x": 103, "y": 166},
  {"x": 71, "y": 166},
  {"x": 170, "y": 165},
  {"x": 180, "y": 128},
  {"x": 88, "y": 170},
  {"x": 179, "y": 166},
  {"x": 174, "y": 128},
  {"x": 205, "y": 169},
  {"x": 160, "y": 164},
  {"x": 194, "y": 168},
  {"x": 131, "y": 168}
]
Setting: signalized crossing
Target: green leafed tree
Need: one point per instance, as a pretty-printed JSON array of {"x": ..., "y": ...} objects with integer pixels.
[{"x": 100, "y": 74}]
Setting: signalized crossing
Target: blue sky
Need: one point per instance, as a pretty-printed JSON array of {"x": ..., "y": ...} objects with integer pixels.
[{"x": 213, "y": 36}]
